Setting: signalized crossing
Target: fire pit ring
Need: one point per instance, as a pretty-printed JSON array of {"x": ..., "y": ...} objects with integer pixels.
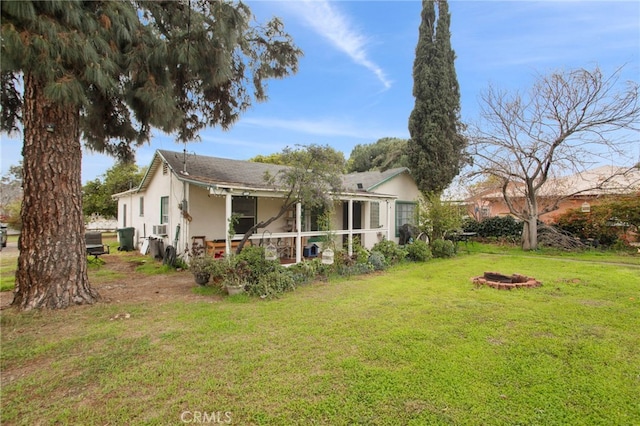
[{"x": 505, "y": 282}]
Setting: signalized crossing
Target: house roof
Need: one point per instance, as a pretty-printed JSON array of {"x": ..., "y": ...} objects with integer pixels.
[
  {"x": 604, "y": 180},
  {"x": 223, "y": 172},
  {"x": 218, "y": 171},
  {"x": 372, "y": 179}
]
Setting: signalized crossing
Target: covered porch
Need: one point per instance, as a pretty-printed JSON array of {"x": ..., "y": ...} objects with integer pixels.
[{"x": 363, "y": 218}]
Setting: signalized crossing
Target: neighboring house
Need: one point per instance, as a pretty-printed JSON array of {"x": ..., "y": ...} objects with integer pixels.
[
  {"x": 578, "y": 191},
  {"x": 184, "y": 197}
]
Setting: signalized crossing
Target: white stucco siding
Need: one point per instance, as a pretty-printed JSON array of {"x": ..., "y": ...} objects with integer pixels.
[
  {"x": 159, "y": 185},
  {"x": 269, "y": 207},
  {"x": 404, "y": 187},
  {"x": 207, "y": 213}
]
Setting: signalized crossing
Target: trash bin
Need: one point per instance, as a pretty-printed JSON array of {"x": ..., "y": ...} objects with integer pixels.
[{"x": 125, "y": 236}]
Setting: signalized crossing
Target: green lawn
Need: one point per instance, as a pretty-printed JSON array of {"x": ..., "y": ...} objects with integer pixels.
[{"x": 416, "y": 345}]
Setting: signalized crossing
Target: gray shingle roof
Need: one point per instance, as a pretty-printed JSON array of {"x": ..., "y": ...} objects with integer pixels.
[
  {"x": 208, "y": 170},
  {"x": 214, "y": 170},
  {"x": 371, "y": 179}
]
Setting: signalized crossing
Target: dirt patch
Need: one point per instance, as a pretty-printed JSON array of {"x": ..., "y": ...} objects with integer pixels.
[{"x": 118, "y": 281}]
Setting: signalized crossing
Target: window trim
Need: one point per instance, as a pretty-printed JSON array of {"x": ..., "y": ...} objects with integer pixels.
[
  {"x": 397, "y": 218},
  {"x": 253, "y": 216},
  {"x": 374, "y": 213},
  {"x": 164, "y": 200}
]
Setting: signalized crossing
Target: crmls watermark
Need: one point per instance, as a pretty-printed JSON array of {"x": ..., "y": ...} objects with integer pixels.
[{"x": 215, "y": 417}]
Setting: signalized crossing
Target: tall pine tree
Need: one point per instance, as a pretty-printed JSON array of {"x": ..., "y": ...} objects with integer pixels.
[
  {"x": 107, "y": 72},
  {"x": 436, "y": 147}
]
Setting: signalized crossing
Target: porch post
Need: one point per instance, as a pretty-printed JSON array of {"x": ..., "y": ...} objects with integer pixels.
[
  {"x": 350, "y": 228},
  {"x": 299, "y": 231},
  {"x": 227, "y": 217},
  {"x": 366, "y": 223},
  {"x": 389, "y": 208}
]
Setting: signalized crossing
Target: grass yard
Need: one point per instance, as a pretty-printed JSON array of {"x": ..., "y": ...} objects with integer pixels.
[{"x": 415, "y": 345}]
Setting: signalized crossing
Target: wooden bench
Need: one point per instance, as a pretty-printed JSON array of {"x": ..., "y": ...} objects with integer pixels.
[
  {"x": 93, "y": 243},
  {"x": 216, "y": 249}
]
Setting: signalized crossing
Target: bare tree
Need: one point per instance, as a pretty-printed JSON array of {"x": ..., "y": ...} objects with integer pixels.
[{"x": 567, "y": 122}]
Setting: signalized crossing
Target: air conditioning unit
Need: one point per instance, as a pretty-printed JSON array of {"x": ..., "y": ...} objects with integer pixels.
[{"x": 159, "y": 229}]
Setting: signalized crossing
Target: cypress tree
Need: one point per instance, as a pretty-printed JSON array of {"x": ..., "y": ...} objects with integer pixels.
[
  {"x": 436, "y": 147},
  {"x": 107, "y": 72}
]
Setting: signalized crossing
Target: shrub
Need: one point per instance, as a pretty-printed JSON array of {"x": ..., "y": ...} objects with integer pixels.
[
  {"x": 442, "y": 248},
  {"x": 419, "y": 251},
  {"x": 257, "y": 264},
  {"x": 605, "y": 222},
  {"x": 304, "y": 272},
  {"x": 495, "y": 227},
  {"x": 272, "y": 284},
  {"x": 360, "y": 254},
  {"x": 392, "y": 252},
  {"x": 376, "y": 259}
]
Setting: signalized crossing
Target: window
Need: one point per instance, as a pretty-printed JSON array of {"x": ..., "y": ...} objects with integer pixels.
[
  {"x": 141, "y": 206},
  {"x": 164, "y": 210},
  {"x": 124, "y": 215},
  {"x": 374, "y": 216},
  {"x": 405, "y": 213},
  {"x": 485, "y": 211},
  {"x": 245, "y": 209}
]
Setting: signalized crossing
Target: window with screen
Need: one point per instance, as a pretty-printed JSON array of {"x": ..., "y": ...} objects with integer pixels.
[
  {"x": 245, "y": 208},
  {"x": 374, "y": 218},
  {"x": 405, "y": 213},
  {"x": 164, "y": 210}
]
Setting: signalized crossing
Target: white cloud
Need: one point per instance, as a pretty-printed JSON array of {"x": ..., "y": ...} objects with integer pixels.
[
  {"x": 330, "y": 23},
  {"x": 327, "y": 127},
  {"x": 323, "y": 127}
]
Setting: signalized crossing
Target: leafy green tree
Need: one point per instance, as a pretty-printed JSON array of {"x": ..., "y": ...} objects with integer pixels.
[
  {"x": 312, "y": 176},
  {"x": 276, "y": 158},
  {"x": 436, "y": 217},
  {"x": 109, "y": 72},
  {"x": 386, "y": 153},
  {"x": 436, "y": 148},
  {"x": 96, "y": 194},
  {"x": 10, "y": 195}
]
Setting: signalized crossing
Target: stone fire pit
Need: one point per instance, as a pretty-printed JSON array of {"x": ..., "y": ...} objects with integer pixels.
[{"x": 506, "y": 282}]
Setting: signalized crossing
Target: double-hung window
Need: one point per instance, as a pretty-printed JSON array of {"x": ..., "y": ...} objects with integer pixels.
[
  {"x": 245, "y": 208},
  {"x": 374, "y": 215},
  {"x": 164, "y": 210},
  {"x": 405, "y": 213}
]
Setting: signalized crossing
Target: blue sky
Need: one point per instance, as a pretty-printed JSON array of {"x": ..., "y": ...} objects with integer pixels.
[{"x": 354, "y": 85}]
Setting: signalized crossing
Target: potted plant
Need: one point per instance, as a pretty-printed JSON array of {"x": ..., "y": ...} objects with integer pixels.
[
  {"x": 201, "y": 267},
  {"x": 237, "y": 275}
]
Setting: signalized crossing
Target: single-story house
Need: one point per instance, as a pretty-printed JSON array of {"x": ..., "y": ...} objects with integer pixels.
[
  {"x": 186, "y": 198},
  {"x": 576, "y": 191}
]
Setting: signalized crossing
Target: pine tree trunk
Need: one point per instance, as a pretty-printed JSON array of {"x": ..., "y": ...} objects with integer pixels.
[{"x": 52, "y": 265}]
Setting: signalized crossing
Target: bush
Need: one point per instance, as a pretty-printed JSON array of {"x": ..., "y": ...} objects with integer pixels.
[
  {"x": 376, "y": 259},
  {"x": 272, "y": 284},
  {"x": 419, "y": 251},
  {"x": 304, "y": 272},
  {"x": 355, "y": 269},
  {"x": 495, "y": 227},
  {"x": 393, "y": 253},
  {"x": 595, "y": 224},
  {"x": 257, "y": 264},
  {"x": 443, "y": 248}
]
